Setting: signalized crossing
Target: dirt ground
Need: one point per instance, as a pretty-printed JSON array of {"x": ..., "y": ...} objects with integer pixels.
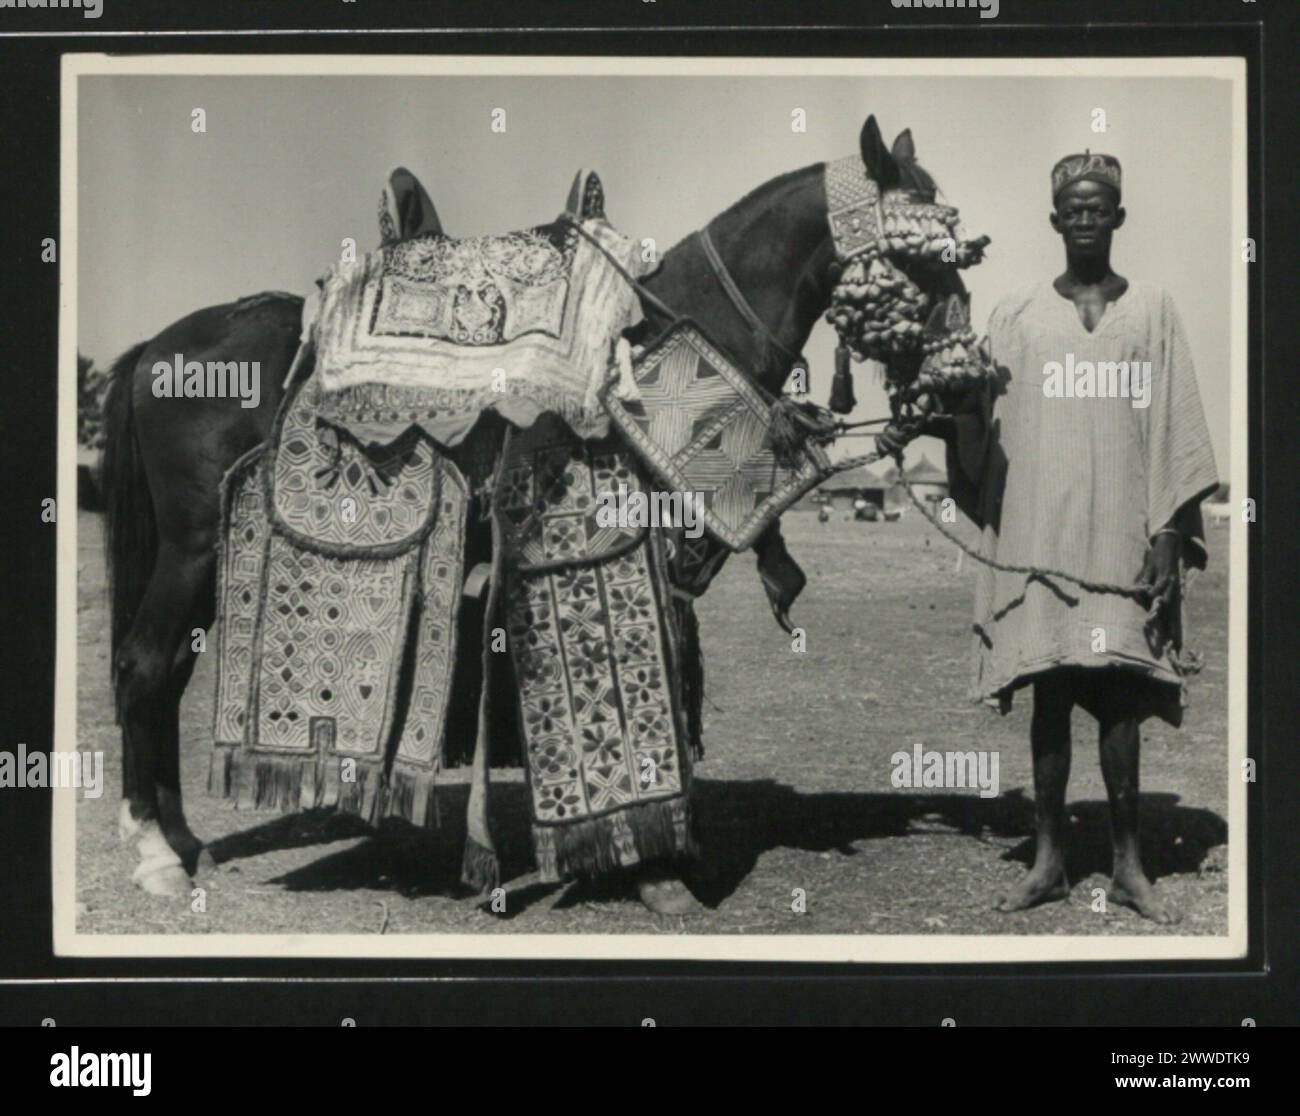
[{"x": 794, "y": 790}]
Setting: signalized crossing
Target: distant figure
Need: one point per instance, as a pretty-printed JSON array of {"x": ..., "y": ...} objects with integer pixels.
[
  {"x": 823, "y": 512},
  {"x": 1102, "y": 478}
]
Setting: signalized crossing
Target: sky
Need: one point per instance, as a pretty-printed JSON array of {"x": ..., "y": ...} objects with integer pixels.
[{"x": 171, "y": 221}]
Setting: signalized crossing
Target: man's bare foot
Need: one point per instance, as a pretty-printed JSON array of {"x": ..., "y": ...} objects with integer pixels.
[
  {"x": 1038, "y": 886},
  {"x": 665, "y": 893},
  {"x": 1131, "y": 888}
]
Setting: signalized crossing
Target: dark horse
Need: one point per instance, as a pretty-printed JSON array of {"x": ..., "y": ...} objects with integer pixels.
[{"x": 163, "y": 465}]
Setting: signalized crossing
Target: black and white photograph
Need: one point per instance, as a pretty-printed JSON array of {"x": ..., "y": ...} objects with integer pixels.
[{"x": 656, "y": 508}]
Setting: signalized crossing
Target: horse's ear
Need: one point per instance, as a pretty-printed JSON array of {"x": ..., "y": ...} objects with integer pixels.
[
  {"x": 880, "y": 164},
  {"x": 911, "y": 175},
  {"x": 904, "y": 149},
  {"x": 575, "y": 195}
]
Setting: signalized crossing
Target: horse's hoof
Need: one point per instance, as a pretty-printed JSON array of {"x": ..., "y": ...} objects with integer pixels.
[
  {"x": 667, "y": 895},
  {"x": 168, "y": 880},
  {"x": 205, "y": 867},
  {"x": 127, "y": 826},
  {"x": 160, "y": 871}
]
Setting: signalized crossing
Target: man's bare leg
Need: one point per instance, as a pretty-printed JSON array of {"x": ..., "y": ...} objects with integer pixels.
[
  {"x": 1049, "y": 736},
  {"x": 1121, "y": 744}
]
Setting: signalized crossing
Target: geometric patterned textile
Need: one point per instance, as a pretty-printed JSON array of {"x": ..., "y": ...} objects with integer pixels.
[
  {"x": 549, "y": 495},
  {"x": 314, "y": 629},
  {"x": 432, "y": 331},
  {"x": 701, "y": 426},
  {"x": 309, "y": 645},
  {"x": 246, "y": 533},
  {"x": 862, "y": 220},
  {"x": 600, "y": 707},
  {"x": 441, "y": 578},
  {"x": 696, "y": 562},
  {"x": 330, "y": 494},
  {"x": 330, "y": 638},
  {"x": 852, "y": 206}
]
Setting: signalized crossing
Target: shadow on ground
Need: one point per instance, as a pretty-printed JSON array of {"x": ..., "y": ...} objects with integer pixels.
[{"x": 738, "y": 821}]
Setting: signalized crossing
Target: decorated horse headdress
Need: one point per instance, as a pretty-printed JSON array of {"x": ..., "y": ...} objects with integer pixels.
[{"x": 887, "y": 228}]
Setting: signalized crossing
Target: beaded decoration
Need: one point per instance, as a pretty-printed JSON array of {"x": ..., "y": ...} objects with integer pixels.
[{"x": 877, "y": 310}]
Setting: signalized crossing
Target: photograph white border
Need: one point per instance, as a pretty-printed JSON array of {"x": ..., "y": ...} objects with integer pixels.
[{"x": 681, "y": 947}]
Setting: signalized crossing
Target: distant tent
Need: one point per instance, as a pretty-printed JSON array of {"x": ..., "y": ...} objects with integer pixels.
[{"x": 925, "y": 472}]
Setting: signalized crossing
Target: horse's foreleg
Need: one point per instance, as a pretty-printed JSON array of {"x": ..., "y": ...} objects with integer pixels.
[{"x": 154, "y": 664}]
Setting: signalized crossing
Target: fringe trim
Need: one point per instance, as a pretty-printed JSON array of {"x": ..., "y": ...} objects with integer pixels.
[
  {"x": 635, "y": 835},
  {"x": 414, "y": 796},
  {"x": 480, "y": 868},
  {"x": 292, "y": 783},
  {"x": 220, "y": 765}
]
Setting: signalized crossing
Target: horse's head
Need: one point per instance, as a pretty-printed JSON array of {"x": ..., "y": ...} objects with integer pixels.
[
  {"x": 860, "y": 240},
  {"x": 899, "y": 255}
]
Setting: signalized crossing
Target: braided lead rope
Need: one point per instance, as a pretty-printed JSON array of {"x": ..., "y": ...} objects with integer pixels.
[
  {"x": 1184, "y": 663},
  {"x": 1135, "y": 592},
  {"x": 847, "y": 463}
]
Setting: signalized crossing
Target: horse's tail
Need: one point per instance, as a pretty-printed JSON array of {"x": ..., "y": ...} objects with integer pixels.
[{"x": 131, "y": 535}]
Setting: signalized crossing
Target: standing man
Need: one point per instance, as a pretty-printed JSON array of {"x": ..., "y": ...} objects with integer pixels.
[{"x": 1092, "y": 459}]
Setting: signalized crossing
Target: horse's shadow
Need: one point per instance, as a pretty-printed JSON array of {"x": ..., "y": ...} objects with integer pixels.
[{"x": 736, "y": 823}]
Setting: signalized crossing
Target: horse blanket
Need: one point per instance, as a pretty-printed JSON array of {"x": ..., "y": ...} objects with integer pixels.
[
  {"x": 336, "y": 566},
  {"x": 702, "y": 427},
  {"x": 340, "y": 584},
  {"x": 595, "y": 648},
  {"x": 433, "y": 331}
]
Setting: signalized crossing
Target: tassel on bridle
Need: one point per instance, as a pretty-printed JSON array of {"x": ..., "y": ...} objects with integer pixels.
[
  {"x": 793, "y": 425},
  {"x": 842, "y": 401}
]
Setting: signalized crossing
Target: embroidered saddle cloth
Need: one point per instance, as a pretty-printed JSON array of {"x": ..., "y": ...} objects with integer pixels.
[
  {"x": 702, "y": 426},
  {"x": 340, "y": 582},
  {"x": 432, "y": 331},
  {"x": 335, "y": 566},
  {"x": 596, "y": 654}
]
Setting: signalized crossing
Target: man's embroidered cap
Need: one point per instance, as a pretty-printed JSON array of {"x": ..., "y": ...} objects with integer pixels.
[{"x": 1085, "y": 168}]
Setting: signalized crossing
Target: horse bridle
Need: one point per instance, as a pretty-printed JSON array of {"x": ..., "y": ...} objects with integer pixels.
[
  {"x": 758, "y": 328},
  {"x": 735, "y": 296},
  {"x": 762, "y": 334}
]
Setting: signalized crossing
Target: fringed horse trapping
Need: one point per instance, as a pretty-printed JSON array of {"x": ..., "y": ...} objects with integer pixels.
[
  {"x": 882, "y": 236},
  {"x": 338, "y": 569},
  {"x": 340, "y": 581},
  {"x": 595, "y": 651},
  {"x": 340, "y": 585},
  {"x": 703, "y": 428}
]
